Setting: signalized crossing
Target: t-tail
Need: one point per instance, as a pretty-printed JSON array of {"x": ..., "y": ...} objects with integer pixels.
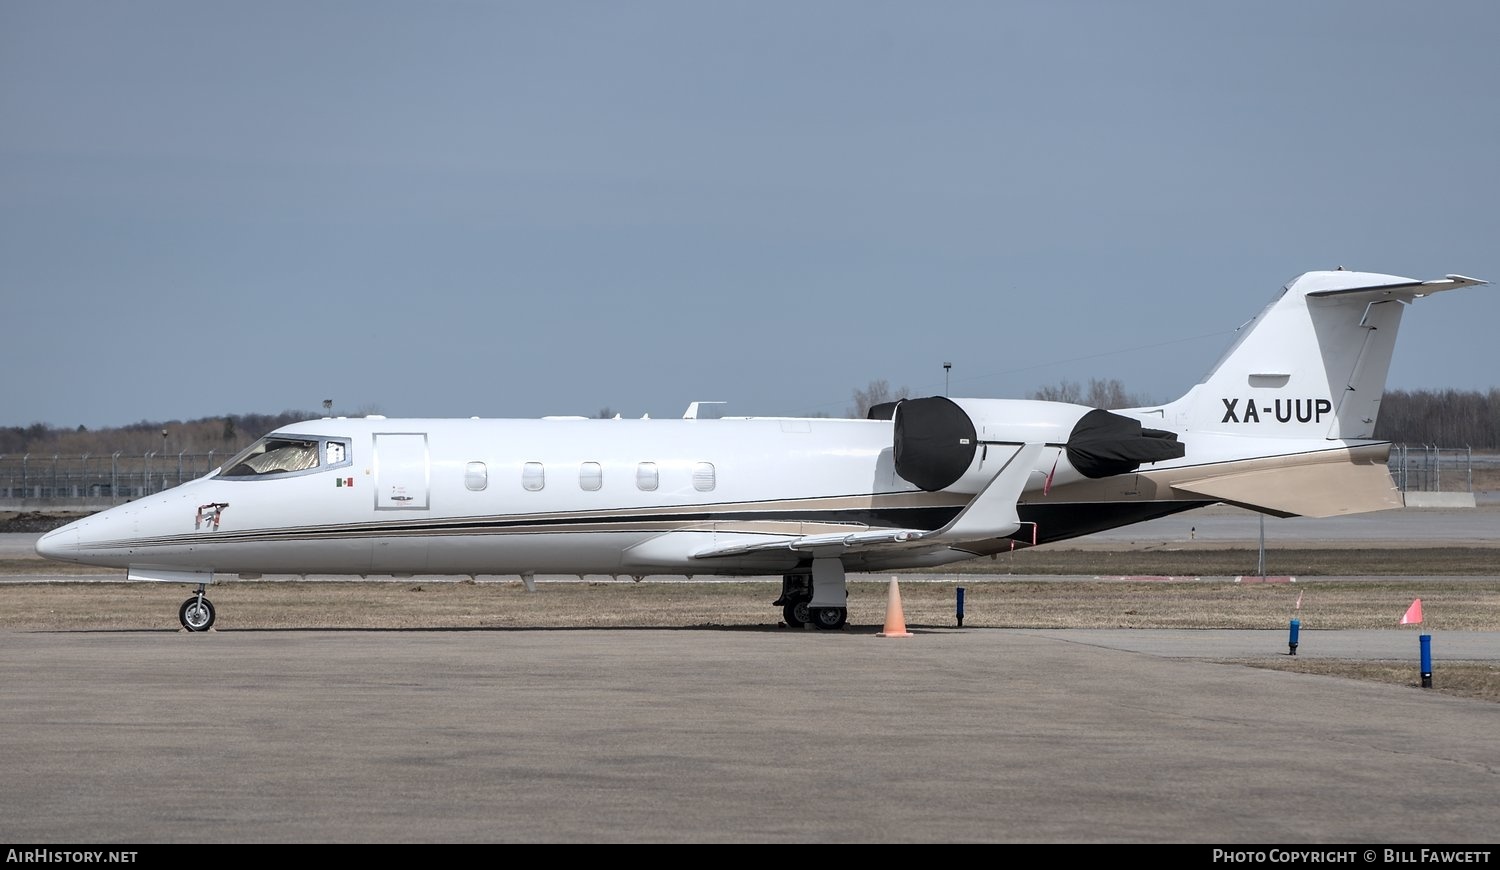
[{"x": 1312, "y": 364}]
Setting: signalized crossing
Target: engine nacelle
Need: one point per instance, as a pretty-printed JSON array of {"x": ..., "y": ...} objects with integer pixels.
[{"x": 958, "y": 445}]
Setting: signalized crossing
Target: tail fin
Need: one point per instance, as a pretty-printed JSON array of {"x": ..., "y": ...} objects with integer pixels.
[{"x": 1313, "y": 364}]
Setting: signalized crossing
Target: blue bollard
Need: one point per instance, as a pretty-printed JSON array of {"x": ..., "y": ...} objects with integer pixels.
[
  {"x": 1426, "y": 640},
  {"x": 1292, "y": 643},
  {"x": 960, "y": 607}
]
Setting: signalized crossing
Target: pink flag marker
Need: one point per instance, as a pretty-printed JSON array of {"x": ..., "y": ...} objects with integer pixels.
[
  {"x": 1413, "y": 613},
  {"x": 1047, "y": 486}
]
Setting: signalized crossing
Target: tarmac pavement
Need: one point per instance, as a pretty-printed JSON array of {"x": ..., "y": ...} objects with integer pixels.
[
  {"x": 750, "y": 734},
  {"x": 734, "y": 736}
]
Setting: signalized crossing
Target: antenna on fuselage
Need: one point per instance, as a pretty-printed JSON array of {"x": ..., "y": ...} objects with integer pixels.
[{"x": 692, "y": 410}]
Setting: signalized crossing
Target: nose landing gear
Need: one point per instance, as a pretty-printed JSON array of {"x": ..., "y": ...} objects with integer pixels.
[{"x": 197, "y": 613}]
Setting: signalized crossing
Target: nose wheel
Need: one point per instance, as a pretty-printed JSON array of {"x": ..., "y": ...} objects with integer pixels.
[{"x": 197, "y": 613}]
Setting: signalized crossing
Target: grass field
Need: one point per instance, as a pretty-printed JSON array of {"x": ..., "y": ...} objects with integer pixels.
[
  {"x": 989, "y": 602},
  {"x": 1182, "y": 587}
]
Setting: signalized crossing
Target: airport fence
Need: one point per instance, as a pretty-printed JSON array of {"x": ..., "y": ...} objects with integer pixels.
[
  {"x": 34, "y": 481},
  {"x": 1430, "y": 468},
  {"x": 112, "y": 478}
]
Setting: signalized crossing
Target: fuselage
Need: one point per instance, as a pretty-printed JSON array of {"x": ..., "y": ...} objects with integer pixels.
[
  {"x": 474, "y": 496},
  {"x": 372, "y": 496}
]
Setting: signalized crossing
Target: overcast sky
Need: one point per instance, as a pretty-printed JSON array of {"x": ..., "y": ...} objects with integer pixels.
[{"x": 516, "y": 209}]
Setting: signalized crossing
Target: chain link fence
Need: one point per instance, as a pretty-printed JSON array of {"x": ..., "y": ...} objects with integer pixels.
[
  {"x": 1430, "y": 468},
  {"x": 35, "y": 481}
]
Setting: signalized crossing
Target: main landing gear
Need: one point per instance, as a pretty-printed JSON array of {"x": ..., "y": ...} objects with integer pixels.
[
  {"x": 197, "y": 613},
  {"x": 818, "y": 597}
]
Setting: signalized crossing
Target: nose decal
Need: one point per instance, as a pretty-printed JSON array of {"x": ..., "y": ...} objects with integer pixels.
[{"x": 208, "y": 514}]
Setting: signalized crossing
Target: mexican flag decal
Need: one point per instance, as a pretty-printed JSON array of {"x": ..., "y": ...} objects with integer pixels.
[{"x": 343, "y": 481}]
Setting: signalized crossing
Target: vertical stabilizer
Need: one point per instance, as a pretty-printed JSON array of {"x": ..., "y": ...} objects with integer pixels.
[{"x": 1313, "y": 364}]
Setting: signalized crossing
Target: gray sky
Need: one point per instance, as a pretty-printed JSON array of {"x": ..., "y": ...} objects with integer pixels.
[{"x": 518, "y": 209}]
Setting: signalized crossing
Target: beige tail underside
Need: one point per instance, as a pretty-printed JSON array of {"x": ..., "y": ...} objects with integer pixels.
[{"x": 1323, "y": 485}]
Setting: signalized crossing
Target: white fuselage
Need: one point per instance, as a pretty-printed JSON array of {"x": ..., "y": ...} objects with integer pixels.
[
  {"x": 469, "y": 496},
  {"x": 590, "y": 496}
]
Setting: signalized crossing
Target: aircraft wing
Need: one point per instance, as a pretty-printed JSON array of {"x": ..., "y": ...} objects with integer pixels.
[{"x": 991, "y": 514}]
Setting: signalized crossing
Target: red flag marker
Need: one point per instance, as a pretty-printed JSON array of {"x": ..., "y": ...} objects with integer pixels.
[{"x": 1413, "y": 613}]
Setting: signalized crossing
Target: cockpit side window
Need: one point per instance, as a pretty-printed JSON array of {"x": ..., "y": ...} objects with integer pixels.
[
  {"x": 336, "y": 452},
  {"x": 286, "y": 455}
]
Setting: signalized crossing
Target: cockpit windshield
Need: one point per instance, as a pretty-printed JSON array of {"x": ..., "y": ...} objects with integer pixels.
[{"x": 282, "y": 454}]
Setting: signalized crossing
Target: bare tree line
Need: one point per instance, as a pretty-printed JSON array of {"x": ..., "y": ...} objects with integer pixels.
[
  {"x": 1446, "y": 418},
  {"x": 1108, "y": 394},
  {"x": 1101, "y": 393},
  {"x": 227, "y": 434},
  {"x": 875, "y": 393}
]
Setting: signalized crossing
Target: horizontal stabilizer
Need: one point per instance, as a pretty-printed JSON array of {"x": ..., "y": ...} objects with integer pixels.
[
  {"x": 1324, "y": 490},
  {"x": 1400, "y": 290}
]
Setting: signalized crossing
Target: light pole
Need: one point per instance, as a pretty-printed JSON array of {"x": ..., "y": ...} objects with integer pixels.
[{"x": 947, "y": 367}]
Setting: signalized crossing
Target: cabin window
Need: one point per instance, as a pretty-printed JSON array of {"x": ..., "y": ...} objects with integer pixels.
[
  {"x": 533, "y": 478},
  {"x": 476, "y": 476},
  {"x": 703, "y": 477},
  {"x": 646, "y": 478},
  {"x": 590, "y": 476}
]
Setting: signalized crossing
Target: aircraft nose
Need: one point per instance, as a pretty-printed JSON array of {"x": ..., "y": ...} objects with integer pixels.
[{"x": 60, "y": 544}]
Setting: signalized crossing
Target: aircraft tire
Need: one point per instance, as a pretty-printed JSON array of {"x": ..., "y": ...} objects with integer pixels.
[
  {"x": 830, "y": 618},
  {"x": 795, "y": 614},
  {"x": 195, "y": 617}
]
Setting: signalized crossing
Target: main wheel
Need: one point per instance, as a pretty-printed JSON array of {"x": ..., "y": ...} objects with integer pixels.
[
  {"x": 796, "y": 614},
  {"x": 829, "y": 618},
  {"x": 197, "y": 614}
]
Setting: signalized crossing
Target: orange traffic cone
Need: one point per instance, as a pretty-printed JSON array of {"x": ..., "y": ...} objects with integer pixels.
[{"x": 895, "y": 621}]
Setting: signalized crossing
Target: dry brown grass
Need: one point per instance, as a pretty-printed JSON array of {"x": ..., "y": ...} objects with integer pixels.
[
  {"x": 1478, "y": 680},
  {"x": 930, "y": 600},
  {"x": 1221, "y": 561},
  {"x": 994, "y": 602}
]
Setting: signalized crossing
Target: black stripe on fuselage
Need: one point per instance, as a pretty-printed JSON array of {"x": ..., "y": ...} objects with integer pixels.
[
  {"x": 1053, "y": 522},
  {"x": 929, "y": 517}
]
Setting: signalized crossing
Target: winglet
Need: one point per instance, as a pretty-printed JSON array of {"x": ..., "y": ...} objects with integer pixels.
[{"x": 992, "y": 513}]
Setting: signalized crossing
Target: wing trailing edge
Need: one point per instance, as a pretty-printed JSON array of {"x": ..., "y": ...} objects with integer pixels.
[{"x": 990, "y": 514}]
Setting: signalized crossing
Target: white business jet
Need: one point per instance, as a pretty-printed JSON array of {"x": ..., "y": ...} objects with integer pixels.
[{"x": 1283, "y": 424}]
